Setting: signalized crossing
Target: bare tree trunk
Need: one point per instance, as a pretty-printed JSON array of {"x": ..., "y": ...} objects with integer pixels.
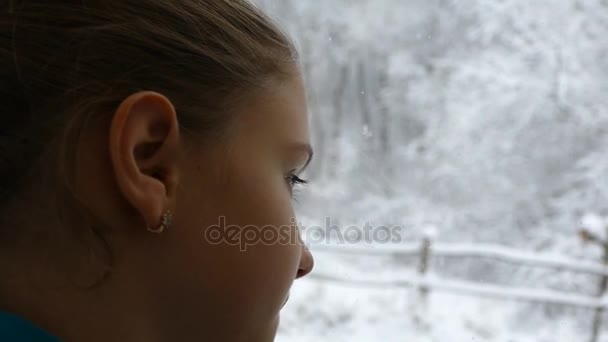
[
  {"x": 319, "y": 137},
  {"x": 363, "y": 96},
  {"x": 338, "y": 114},
  {"x": 384, "y": 124}
]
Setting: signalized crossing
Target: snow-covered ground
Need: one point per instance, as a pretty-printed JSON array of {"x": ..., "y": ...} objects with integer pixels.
[{"x": 321, "y": 311}]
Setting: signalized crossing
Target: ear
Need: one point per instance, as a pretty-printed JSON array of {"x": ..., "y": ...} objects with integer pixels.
[{"x": 144, "y": 149}]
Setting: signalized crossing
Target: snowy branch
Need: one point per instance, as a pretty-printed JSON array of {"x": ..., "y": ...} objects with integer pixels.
[{"x": 474, "y": 250}]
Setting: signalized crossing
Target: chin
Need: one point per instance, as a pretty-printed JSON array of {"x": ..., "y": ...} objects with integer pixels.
[
  {"x": 274, "y": 327},
  {"x": 266, "y": 333}
]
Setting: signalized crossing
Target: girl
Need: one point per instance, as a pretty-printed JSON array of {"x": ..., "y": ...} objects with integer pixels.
[{"x": 148, "y": 153}]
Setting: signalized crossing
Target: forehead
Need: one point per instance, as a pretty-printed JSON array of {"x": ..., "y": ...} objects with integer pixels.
[{"x": 280, "y": 110}]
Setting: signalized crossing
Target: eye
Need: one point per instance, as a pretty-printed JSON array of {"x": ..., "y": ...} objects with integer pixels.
[{"x": 293, "y": 180}]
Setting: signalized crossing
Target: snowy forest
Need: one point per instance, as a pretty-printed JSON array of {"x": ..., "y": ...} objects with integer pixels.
[{"x": 487, "y": 119}]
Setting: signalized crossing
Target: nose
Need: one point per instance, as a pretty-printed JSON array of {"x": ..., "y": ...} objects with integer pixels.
[{"x": 307, "y": 262}]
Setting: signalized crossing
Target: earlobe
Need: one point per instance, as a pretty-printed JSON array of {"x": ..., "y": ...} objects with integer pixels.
[{"x": 144, "y": 150}]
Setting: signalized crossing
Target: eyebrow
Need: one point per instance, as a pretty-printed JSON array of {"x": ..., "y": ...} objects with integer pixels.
[{"x": 304, "y": 148}]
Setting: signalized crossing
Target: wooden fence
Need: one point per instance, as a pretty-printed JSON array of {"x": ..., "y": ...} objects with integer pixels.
[{"x": 424, "y": 281}]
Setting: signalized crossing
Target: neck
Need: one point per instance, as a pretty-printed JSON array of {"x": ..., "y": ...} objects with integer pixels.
[{"x": 76, "y": 315}]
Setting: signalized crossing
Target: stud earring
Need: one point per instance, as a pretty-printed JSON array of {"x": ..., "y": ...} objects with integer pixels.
[{"x": 165, "y": 222}]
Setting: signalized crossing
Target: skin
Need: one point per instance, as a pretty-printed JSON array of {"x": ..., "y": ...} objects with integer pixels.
[{"x": 179, "y": 285}]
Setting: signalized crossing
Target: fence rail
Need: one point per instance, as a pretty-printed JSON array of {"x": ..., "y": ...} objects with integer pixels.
[
  {"x": 431, "y": 282},
  {"x": 470, "y": 288},
  {"x": 499, "y": 253},
  {"x": 595, "y": 231}
]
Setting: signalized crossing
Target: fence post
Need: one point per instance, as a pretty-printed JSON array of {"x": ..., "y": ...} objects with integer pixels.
[
  {"x": 421, "y": 311},
  {"x": 597, "y": 316},
  {"x": 429, "y": 233},
  {"x": 596, "y": 236},
  {"x": 423, "y": 266}
]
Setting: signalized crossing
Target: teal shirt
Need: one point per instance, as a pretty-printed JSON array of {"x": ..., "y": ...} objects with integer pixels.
[{"x": 16, "y": 329}]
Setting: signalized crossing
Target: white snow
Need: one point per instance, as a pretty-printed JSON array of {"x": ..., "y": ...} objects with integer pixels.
[
  {"x": 335, "y": 311},
  {"x": 485, "y": 119},
  {"x": 595, "y": 224}
]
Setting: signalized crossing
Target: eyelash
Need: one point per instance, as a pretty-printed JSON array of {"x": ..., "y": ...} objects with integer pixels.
[{"x": 294, "y": 180}]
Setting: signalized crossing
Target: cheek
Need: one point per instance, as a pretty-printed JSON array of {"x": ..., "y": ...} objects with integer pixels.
[
  {"x": 261, "y": 208},
  {"x": 256, "y": 192},
  {"x": 261, "y": 215},
  {"x": 248, "y": 271}
]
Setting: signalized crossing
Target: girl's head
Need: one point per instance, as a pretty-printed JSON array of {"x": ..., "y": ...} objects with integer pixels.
[{"x": 117, "y": 112}]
